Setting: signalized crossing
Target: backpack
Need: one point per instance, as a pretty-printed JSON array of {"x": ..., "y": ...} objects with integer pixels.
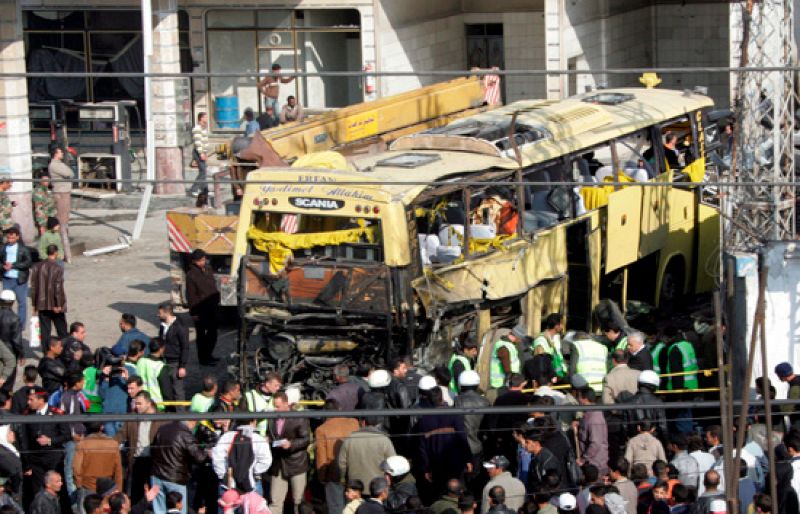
[
  {"x": 240, "y": 461},
  {"x": 574, "y": 472}
]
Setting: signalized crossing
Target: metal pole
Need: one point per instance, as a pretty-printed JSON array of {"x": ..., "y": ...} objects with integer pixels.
[
  {"x": 150, "y": 151},
  {"x": 773, "y": 484},
  {"x": 725, "y": 415},
  {"x": 732, "y": 474}
]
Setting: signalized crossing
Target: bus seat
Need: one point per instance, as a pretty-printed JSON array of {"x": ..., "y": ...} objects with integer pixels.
[
  {"x": 481, "y": 231},
  {"x": 451, "y": 235},
  {"x": 637, "y": 174},
  {"x": 603, "y": 172},
  {"x": 428, "y": 243},
  {"x": 447, "y": 254}
]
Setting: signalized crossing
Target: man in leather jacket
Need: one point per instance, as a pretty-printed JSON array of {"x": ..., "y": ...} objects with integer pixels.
[
  {"x": 174, "y": 451},
  {"x": 648, "y": 384},
  {"x": 11, "y": 335},
  {"x": 51, "y": 369},
  {"x": 468, "y": 382},
  {"x": 397, "y": 397},
  {"x": 16, "y": 261}
]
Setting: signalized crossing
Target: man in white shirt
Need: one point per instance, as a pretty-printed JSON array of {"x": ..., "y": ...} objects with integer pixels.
[{"x": 223, "y": 458}]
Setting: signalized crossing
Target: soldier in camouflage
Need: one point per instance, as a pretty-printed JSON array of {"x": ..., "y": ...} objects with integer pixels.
[
  {"x": 6, "y": 205},
  {"x": 44, "y": 205}
]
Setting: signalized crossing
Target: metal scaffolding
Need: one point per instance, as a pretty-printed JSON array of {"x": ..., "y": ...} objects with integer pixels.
[{"x": 764, "y": 133}]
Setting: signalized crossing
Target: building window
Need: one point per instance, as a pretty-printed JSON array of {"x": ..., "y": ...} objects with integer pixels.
[
  {"x": 97, "y": 40},
  {"x": 311, "y": 40}
]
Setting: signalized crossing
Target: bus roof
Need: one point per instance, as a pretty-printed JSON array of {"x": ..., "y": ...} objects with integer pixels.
[{"x": 554, "y": 129}]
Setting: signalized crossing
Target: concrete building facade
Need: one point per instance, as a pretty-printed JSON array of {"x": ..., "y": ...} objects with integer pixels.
[{"x": 349, "y": 35}]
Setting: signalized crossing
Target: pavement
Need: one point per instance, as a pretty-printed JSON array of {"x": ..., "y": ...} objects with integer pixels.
[{"x": 135, "y": 280}]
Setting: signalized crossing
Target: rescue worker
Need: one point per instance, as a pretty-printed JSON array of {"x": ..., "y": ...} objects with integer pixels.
[
  {"x": 469, "y": 397},
  {"x": 648, "y": 384},
  {"x": 375, "y": 398},
  {"x": 549, "y": 342},
  {"x": 462, "y": 360},
  {"x": 505, "y": 357},
  {"x": 589, "y": 359},
  {"x": 681, "y": 358},
  {"x": 402, "y": 485},
  {"x": 156, "y": 374},
  {"x": 260, "y": 399},
  {"x": 616, "y": 336}
]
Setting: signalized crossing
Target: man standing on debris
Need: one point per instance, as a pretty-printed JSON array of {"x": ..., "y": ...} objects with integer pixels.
[
  {"x": 203, "y": 298},
  {"x": 62, "y": 175}
]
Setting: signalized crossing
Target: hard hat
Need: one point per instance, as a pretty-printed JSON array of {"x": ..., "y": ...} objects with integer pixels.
[
  {"x": 426, "y": 383},
  {"x": 469, "y": 378},
  {"x": 649, "y": 377},
  {"x": 379, "y": 378},
  {"x": 292, "y": 395},
  {"x": 8, "y": 296},
  {"x": 396, "y": 465},
  {"x": 567, "y": 502}
]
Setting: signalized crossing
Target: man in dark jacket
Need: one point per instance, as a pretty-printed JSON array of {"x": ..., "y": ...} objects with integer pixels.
[
  {"x": 379, "y": 492},
  {"x": 402, "y": 486},
  {"x": 469, "y": 396},
  {"x": 48, "y": 298},
  {"x": 397, "y": 397},
  {"x": 640, "y": 357},
  {"x": 173, "y": 451},
  {"x": 542, "y": 459},
  {"x": 175, "y": 336},
  {"x": 46, "y": 500},
  {"x": 648, "y": 383},
  {"x": 497, "y": 500},
  {"x": 10, "y": 334},
  {"x": 203, "y": 298},
  {"x": 499, "y": 428},
  {"x": 51, "y": 369},
  {"x": 17, "y": 261},
  {"x": 75, "y": 347},
  {"x": 290, "y": 438},
  {"x": 41, "y": 445},
  {"x": 443, "y": 448}
]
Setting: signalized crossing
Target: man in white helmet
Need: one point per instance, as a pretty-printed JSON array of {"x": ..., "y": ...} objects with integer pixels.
[
  {"x": 468, "y": 382},
  {"x": 648, "y": 384},
  {"x": 375, "y": 399},
  {"x": 402, "y": 486}
]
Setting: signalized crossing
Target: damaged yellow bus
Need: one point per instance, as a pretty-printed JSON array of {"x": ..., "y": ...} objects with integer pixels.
[{"x": 516, "y": 212}]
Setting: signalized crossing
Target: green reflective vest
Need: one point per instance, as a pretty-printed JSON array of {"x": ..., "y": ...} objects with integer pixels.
[
  {"x": 497, "y": 375},
  {"x": 91, "y": 390},
  {"x": 688, "y": 363},
  {"x": 148, "y": 370},
  {"x": 257, "y": 403},
  {"x": 467, "y": 366},
  {"x": 656, "y": 352},
  {"x": 591, "y": 362},
  {"x": 622, "y": 344},
  {"x": 201, "y": 403},
  {"x": 551, "y": 348}
]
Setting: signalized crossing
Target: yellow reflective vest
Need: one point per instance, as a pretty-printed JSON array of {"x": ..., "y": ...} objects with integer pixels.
[
  {"x": 591, "y": 363},
  {"x": 497, "y": 375}
]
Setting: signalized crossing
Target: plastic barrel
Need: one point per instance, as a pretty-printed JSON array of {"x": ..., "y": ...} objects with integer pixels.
[{"x": 227, "y": 112}]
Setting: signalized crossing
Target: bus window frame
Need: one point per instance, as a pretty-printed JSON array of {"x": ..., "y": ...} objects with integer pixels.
[
  {"x": 650, "y": 168},
  {"x": 562, "y": 161}
]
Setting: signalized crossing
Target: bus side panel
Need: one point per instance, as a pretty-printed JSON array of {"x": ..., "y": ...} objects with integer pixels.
[
  {"x": 655, "y": 219},
  {"x": 595, "y": 255},
  {"x": 623, "y": 227},
  {"x": 708, "y": 267},
  {"x": 678, "y": 253}
]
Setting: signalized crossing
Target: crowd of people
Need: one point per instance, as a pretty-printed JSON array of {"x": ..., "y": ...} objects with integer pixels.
[{"x": 634, "y": 459}]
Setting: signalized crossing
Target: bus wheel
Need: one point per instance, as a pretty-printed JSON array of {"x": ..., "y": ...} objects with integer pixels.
[{"x": 671, "y": 286}]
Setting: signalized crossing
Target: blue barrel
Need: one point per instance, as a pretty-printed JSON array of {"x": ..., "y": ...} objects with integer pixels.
[{"x": 227, "y": 112}]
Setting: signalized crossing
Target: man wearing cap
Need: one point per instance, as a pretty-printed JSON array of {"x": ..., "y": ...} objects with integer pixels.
[
  {"x": 17, "y": 262},
  {"x": 786, "y": 374},
  {"x": 648, "y": 384},
  {"x": 48, "y": 296},
  {"x": 6, "y": 205},
  {"x": 461, "y": 360},
  {"x": 62, "y": 177},
  {"x": 505, "y": 357},
  {"x": 549, "y": 343},
  {"x": 497, "y": 469},
  {"x": 567, "y": 503},
  {"x": 202, "y": 296},
  {"x": 402, "y": 485}
]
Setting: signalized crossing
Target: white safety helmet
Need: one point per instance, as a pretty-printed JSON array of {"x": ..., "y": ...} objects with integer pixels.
[
  {"x": 292, "y": 396},
  {"x": 396, "y": 465},
  {"x": 649, "y": 377},
  {"x": 379, "y": 378},
  {"x": 8, "y": 296},
  {"x": 469, "y": 378},
  {"x": 427, "y": 383}
]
